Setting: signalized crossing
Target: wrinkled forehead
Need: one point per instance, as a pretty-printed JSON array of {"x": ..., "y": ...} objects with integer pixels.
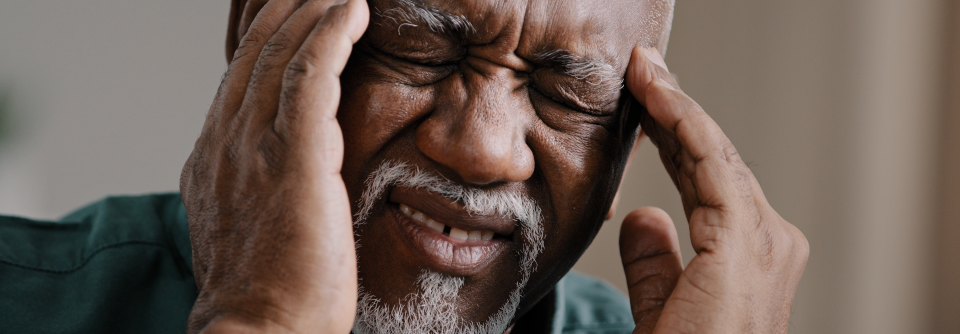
[{"x": 593, "y": 29}]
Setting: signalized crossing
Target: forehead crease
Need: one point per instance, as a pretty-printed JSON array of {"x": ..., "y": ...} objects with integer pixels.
[{"x": 596, "y": 32}]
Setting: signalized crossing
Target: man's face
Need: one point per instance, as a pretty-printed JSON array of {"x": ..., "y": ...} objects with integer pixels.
[{"x": 521, "y": 98}]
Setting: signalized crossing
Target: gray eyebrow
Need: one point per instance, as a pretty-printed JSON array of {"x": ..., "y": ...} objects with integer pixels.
[
  {"x": 592, "y": 71},
  {"x": 415, "y": 12}
]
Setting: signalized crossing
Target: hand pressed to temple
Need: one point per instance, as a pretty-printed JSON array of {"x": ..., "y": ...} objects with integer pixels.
[
  {"x": 749, "y": 259},
  {"x": 269, "y": 216}
]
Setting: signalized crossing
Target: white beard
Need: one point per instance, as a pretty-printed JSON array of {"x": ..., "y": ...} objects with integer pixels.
[{"x": 435, "y": 309}]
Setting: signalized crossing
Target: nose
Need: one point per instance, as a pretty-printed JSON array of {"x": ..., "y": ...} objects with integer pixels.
[{"x": 478, "y": 127}]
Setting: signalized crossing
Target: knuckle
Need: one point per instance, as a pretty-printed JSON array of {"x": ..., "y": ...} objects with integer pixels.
[
  {"x": 767, "y": 245},
  {"x": 250, "y": 44},
  {"x": 277, "y": 46},
  {"x": 791, "y": 246},
  {"x": 302, "y": 68},
  {"x": 271, "y": 56},
  {"x": 270, "y": 149},
  {"x": 294, "y": 72},
  {"x": 288, "y": 103},
  {"x": 232, "y": 156},
  {"x": 303, "y": 65},
  {"x": 257, "y": 34},
  {"x": 744, "y": 178},
  {"x": 801, "y": 246},
  {"x": 709, "y": 240},
  {"x": 243, "y": 52},
  {"x": 730, "y": 154},
  {"x": 309, "y": 63}
]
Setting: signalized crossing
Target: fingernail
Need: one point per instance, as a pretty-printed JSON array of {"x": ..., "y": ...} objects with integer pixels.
[{"x": 654, "y": 56}]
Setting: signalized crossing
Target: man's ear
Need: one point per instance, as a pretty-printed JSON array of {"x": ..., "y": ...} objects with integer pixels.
[
  {"x": 242, "y": 13},
  {"x": 616, "y": 198}
]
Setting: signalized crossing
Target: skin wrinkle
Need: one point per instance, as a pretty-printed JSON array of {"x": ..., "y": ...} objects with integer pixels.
[
  {"x": 597, "y": 73},
  {"x": 592, "y": 71},
  {"x": 573, "y": 162},
  {"x": 602, "y": 79}
]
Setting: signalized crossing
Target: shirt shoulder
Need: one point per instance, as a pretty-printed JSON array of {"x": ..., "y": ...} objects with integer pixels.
[
  {"x": 119, "y": 265},
  {"x": 586, "y": 305}
]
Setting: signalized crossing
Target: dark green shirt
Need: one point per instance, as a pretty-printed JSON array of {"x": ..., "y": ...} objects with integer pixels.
[{"x": 122, "y": 265}]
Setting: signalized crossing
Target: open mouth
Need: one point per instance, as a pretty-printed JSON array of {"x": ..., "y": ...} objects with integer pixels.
[
  {"x": 452, "y": 232},
  {"x": 449, "y": 239}
]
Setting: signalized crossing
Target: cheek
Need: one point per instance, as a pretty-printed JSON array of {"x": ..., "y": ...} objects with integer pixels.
[
  {"x": 575, "y": 164},
  {"x": 372, "y": 115},
  {"x": 577, "y": 168}
]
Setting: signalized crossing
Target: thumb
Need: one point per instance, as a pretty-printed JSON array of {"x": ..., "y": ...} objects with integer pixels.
[{"x": 650, "y": 252}]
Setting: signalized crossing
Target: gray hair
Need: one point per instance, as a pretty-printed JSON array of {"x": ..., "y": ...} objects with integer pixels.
[
  {"x": 415, "y": 13},
  {"x": 591, "y": 71}
]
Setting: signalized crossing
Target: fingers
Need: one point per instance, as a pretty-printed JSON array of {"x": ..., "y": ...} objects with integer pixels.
[
  {"x": 234, "y": 84},
  {"x": 646, "y": 65},
  {"x": 263, "y": 91},
  {"x": 217, "y": 129},
  {"x": 650, "y": 251},
  {"x": 306, "y": 122},
  {"x": 702, "y": 161},
  {"x": 310, "y": 91},
  {"x": 652, "y": 85},
  {"x": 749, "y": 259}
]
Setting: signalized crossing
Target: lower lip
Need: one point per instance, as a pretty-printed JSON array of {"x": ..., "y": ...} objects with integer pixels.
[{"x": 445, "y": 254}]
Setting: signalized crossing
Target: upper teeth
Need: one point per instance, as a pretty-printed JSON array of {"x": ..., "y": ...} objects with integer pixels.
[{"x": 455, "y": 233}]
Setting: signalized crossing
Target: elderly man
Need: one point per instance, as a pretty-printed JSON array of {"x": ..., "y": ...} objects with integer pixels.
[{"x": 409, "y": 166}]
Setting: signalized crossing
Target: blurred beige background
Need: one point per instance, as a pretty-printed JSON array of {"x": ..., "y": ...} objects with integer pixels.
[{"x": 848, "y": 112}]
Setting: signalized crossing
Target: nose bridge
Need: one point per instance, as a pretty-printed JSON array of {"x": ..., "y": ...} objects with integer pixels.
[{"x": 478, "y": 128}]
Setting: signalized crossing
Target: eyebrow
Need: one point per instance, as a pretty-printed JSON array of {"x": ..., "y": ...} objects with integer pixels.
[
  {"x": 415, "y": 13},
  {"x": 594, "y": 72},
  {"x": 597, "y": 73}
]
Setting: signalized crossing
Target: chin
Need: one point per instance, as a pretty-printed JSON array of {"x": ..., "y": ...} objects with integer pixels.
[{"x": 436, "y": 256}]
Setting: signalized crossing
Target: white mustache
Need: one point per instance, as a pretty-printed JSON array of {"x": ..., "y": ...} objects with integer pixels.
[
  {"x": 434, "y": 309},
  {"x": 476, "y": 201},
  {"x": 507, "y": 203}
]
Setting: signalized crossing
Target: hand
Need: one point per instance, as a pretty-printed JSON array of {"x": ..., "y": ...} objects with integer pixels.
[
  {"x": 749, "y": 259},
  {"x": 270, "y": 220}
]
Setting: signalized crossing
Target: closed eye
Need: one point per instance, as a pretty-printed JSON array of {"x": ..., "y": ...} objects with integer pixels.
[
  {"x": 420, "y": 72},
  {"x": 568, "y": 103}
]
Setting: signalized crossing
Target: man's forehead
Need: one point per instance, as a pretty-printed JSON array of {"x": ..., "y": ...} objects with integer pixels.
[{"x": 604, "y": 30}]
